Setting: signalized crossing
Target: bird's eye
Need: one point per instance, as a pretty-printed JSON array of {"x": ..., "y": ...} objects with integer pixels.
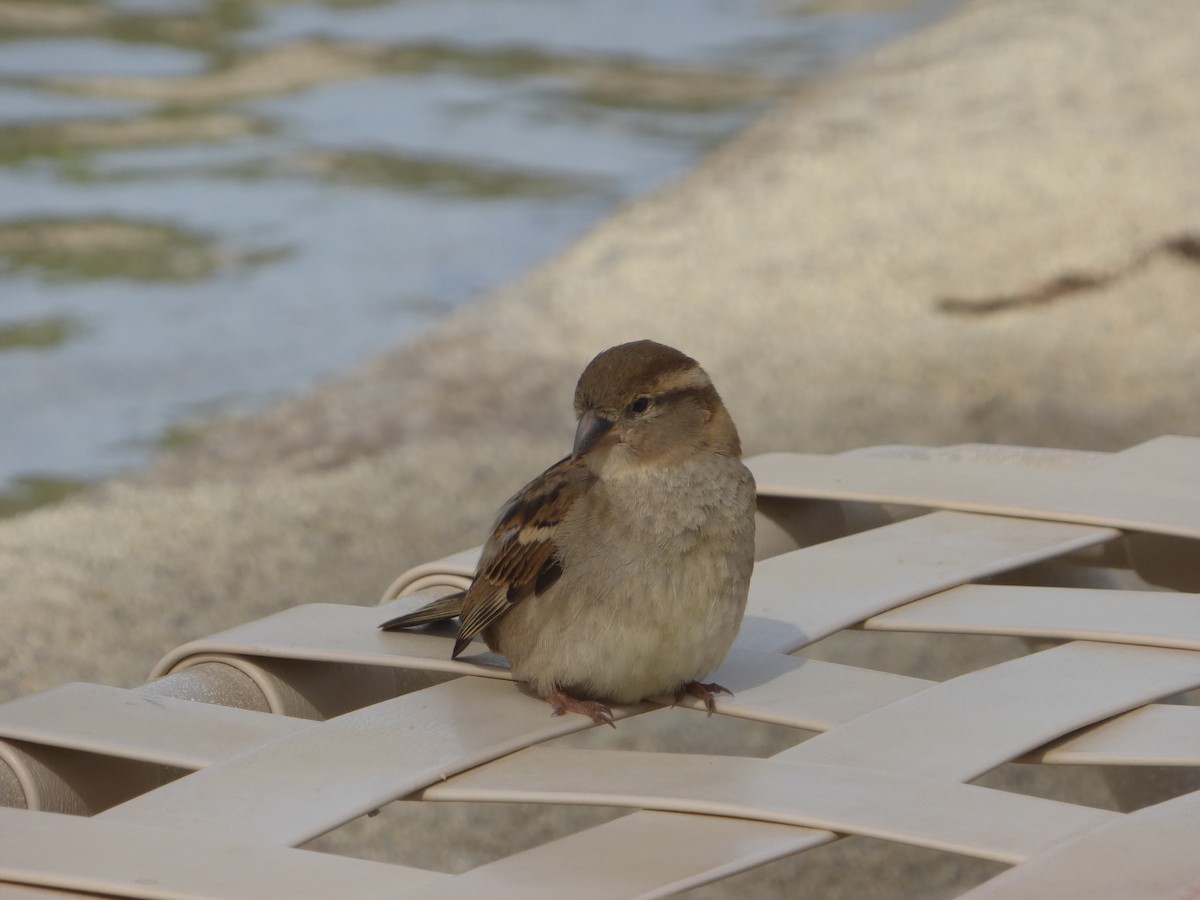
[{"x": 640, "y": 405}]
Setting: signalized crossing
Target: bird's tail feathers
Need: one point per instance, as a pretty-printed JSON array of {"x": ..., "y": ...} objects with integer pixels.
[{"x": 438, "y": 611}]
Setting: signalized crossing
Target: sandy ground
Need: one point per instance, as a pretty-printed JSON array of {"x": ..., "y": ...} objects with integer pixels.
[{"x": 989, "y": 231}]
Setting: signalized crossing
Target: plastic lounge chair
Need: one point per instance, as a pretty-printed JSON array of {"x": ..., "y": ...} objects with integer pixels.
[{"x": 206, "y": 781}]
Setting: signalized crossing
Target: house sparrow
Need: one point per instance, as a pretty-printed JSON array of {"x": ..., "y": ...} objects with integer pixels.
[{"x": 621, "y": 572}]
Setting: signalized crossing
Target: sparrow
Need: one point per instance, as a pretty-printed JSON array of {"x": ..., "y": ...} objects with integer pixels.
[{"x": 621, "y": 572}]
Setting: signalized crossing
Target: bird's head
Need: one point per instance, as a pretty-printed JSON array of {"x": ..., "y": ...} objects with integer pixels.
[{"x": 651, "y": 404}]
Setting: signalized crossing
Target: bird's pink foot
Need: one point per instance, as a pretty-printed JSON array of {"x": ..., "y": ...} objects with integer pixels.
[
  {"x": 704, "y": 691},
  {"x": 562, "y": 702}
]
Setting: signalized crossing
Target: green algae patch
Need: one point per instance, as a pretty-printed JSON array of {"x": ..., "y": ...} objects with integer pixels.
[
  {"x": 99, "y": 248},
  {"x": 351, "y": 4},
  {"x": 111, "y": 248},
  {"x": 71, "y": 140},
  {"x": 238, "y": 74},
  {"x": 399, "y": 172},
  {"x": 207, "y": 31},
  {"x": 39, "y": 334},
  {"x": 600, "y": 80},
  {"x": 202, "y": 30},
  {"x": 31, "y": 491},
  {"x": 24, "y": 18},
  {"x": 178, "y": 437}
]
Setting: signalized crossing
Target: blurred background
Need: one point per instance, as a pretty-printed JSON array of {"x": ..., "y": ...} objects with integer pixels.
[{"x": 207, "y": 205}]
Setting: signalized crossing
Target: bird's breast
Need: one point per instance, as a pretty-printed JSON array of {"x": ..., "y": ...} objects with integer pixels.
[{"x": 654, "y": 584}]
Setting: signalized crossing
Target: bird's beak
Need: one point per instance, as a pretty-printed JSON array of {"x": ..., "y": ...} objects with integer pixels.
[{"x": 591, "y": 428}]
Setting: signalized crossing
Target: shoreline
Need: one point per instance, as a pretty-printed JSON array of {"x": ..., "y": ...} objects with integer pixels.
[{"x": 240, "y": 218}]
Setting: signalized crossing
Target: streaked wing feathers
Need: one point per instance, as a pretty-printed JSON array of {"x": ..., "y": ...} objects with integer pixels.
[{"x": 519, "y": 558}]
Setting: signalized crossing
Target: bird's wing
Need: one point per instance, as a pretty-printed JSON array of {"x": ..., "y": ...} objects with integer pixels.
[
  {"x": 520, "y": 558},
  {"x": 438, "y": 611}
]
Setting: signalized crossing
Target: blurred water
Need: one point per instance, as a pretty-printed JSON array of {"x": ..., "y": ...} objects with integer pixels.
[{"x": 207, "y": 205}]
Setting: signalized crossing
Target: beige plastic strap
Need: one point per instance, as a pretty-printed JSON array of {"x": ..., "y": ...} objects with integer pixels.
[
  {"x": 804, "y": 693},
  {"x": 327, "y": 632},
  {"x": 1153, "y": 618},
  {"x": 1157, "y": 735},
  {"x": 287, "y": 792},
  {"x": 127, "y": 724},
  {"x": 1150, "y": 853},
  {"x": 104, "y": 857},
  {"x": 20, "y": 892},
  {"x": 964, "y": 727},
  {"x": 800, "y": 597},
  {"x": 646, "y": 854},
  {"x": 1143, "y": 499},
  {"x": 380, "y": 721},
  {"x": 934, "y": 813}
]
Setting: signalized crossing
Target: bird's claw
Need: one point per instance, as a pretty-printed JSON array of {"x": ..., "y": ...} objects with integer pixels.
[
  {"x": 562, "y": 702},
  {"x": 704, "y": 692}
]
